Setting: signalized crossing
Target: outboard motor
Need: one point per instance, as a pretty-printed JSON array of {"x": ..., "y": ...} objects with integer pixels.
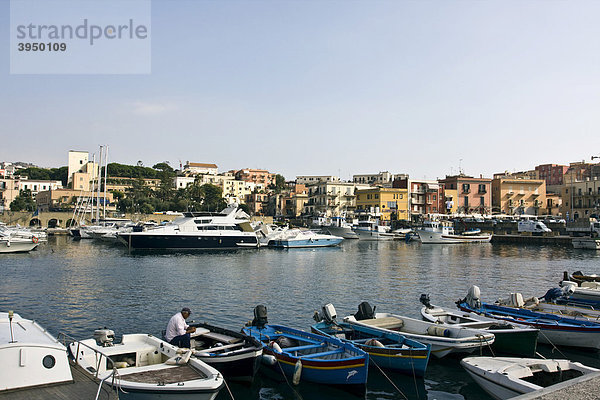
[
  {"x": 260, "y": 316},
  {"x": 424, "y": 299},
  {"x": 473, "y": 298},
  {"x": 365, "y": 311},
  {"x": 553, "y": 294},
  {"x": 104, "y": 337},
  {"x": 329, "y": 313}
]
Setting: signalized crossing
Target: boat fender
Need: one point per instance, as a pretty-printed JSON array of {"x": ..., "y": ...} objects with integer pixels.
[
  {"x": 374, "y": 343},
  {"x": 35, "y": 239},
  {"x": 268, "y": 359},
  {"x": 121, "y": 364},
  {"x": 438, "y": 331},
  {"x": 275, "y": 346},
  {"x": 297, "y": 372}
]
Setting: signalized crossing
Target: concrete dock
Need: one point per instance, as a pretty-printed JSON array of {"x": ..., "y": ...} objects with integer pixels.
[{"x": 582, "y": 388}]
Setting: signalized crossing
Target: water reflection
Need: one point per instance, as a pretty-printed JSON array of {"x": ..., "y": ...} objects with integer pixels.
[{"x": 76, "y": 287}]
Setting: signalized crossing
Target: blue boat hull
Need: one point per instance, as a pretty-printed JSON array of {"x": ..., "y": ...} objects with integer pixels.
[
  {"x": 411, "y": 359},
  {"x": 348, "y": 367}
]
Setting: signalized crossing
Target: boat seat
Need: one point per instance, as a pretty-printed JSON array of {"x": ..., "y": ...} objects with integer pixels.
[
  {"x": 219, "y": 348},
  {"x": 323, "y": 354},
  {"x": 199, "y": 331},
  {"x": 385, "y": 323},
  {"x": 220, "y": 337},
  {"x": 306, "y": 347},
  {"x": 367, "y": 339}
]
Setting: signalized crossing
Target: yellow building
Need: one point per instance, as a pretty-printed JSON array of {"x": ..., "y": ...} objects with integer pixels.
[
  {"x": 451, "y": 204},
  {"x": 515, "y": 196},
  {"x": 384, "y": 202}
]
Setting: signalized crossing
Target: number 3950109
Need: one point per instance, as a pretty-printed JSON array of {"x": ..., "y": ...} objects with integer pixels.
[{"x": 42, "y": 46}]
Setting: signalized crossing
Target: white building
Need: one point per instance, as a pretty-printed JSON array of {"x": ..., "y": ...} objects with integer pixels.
[
  {"x": 383, "y": 178},
  {"x": 314, "y": 179},
  {"x": 200, "y": 168}
]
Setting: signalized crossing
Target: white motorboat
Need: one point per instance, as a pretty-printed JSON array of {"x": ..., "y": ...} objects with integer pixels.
[
  {"x": 444, "y": 339},
  {"x": 436, "y": 232},
  {"x": 339, "y": 227},
  {"x": 31, "y": 356},
  {"x": 146, "y": 366},
  {"x": 515, "y": 340},
  {"x": 504, "y": 378},
  {"x": 586, "y": 243},
  {"x": 17, "y": 231},
  {"x": 16, "y": 244},
  {"x": 229, "y": 229},
  {"x": 371, "y": 230},
  {"x": 296, "y": 238}
]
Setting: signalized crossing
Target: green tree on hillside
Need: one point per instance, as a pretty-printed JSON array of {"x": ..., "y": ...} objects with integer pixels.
[{"x": 23, "y": 202}]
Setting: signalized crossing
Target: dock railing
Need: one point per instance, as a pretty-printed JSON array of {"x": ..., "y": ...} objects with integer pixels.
[{"x": 67, "y": 340}]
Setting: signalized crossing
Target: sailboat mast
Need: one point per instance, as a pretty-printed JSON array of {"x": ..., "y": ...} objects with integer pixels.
[
  {"x": 99, "y": 181},
  {"x": 105, "y": 177}
]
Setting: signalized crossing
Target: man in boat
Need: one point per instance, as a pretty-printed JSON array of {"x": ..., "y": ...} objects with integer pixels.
[{"x": 178, "y": 332}]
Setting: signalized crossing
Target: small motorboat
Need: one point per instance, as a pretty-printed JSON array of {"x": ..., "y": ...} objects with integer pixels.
[
  {"x": 444, "y": 339},
  {"x": 31, "y": 357},
  {"x": 516, "y": 340},
  {"x": 16, "y": 244},
  {"x": 504, "y": 378},
  {"x": 296, "y": 238},
  {"x": 305, "y": 356},
  {"x": 144, "y": 365},
  {"x": 554, "y": 329},
  {"x": 235, "y": 355},
  {"x": 389, "y": 350},
  {"x": 437, "y": 232}
]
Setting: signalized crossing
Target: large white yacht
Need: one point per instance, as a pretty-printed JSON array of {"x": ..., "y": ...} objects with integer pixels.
[{"x": 229, "y": 229}]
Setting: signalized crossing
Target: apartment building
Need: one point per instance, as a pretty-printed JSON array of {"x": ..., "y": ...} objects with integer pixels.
[
  {"x": 332, "y": 199},
  {"x": 256, "y": 176},
  {"x": 516, "y": 196},
  {"x": 191, "y": 168},
  {"x": 63, "y": 199},
  {"x": 551, "y": 173},
  {"x": 381, "y": 179},
  {"x": 10, "y": 189},
  {"x": 473, "y": 195},
  {"x": 580, "y": 198},
  {"x": 387, "y": 203},
  {"x": 425, "y": 196},
  {"x": 314, "y": 179}
]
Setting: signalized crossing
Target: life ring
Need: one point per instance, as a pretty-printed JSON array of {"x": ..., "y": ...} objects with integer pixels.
[{"x": 35, "y": 239}]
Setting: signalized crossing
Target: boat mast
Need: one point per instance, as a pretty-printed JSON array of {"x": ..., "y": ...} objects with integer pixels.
[
  {"x": 99, "y": 179},
  {"x": 105, "y": 175}
]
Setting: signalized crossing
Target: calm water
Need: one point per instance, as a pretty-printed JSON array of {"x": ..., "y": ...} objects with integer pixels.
[{"x": 78, "y": 286}]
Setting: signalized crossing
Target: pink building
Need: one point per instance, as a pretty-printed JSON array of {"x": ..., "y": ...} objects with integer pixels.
[
  {"x": 256, "y": 176},
  {"x": 473, "y": 195},
  {"x": 552, "y": 173}
]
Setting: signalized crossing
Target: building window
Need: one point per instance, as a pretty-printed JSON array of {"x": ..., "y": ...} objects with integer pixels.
[
  {"x": 482, "y": 201},
  {"x": 466, "y": 187},
  {"x": 466, "y": 201}
]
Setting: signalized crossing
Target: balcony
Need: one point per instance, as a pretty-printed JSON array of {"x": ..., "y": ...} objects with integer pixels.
[
  {"x": 466, "y": 190},
  {"x": 482, "y": 191}
]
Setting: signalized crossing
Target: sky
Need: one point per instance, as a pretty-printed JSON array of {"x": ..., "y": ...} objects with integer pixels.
[{"x": 325, "y": 87}]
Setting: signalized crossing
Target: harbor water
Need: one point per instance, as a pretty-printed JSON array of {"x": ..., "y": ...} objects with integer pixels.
[{"x": 76, "y": 287}]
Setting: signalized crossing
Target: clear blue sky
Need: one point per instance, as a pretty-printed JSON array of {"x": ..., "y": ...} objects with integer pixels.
[{"x": 329, "y": 87}]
